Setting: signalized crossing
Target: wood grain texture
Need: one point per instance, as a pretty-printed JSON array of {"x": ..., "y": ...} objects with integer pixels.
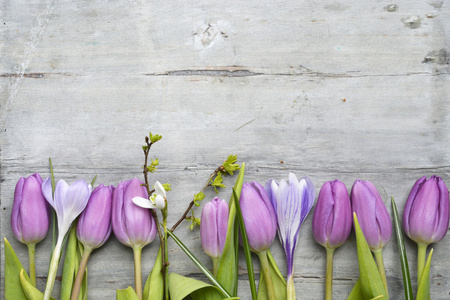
[{"x": 332, "y": 89}]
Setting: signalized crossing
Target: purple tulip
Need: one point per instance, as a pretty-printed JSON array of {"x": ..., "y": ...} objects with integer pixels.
[
  {"x": 332, "y": 218},
  {"x": 132, "y": 225},
  {"x": 292, "y": 202},
  {"x": 259, "y": 216},
  {"x": 94, "y": 224},
  {"x": 372, "y": 214},
  {"x": 213, "y": 227},
  {"x": 426, "y": 214},
  {"x": 30, "y": 213}
]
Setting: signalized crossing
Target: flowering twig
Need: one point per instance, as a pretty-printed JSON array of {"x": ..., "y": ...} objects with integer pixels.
[{"x": 214, "y": 180}]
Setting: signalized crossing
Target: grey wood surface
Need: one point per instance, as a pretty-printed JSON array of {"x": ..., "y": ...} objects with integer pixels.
[{"x": 329, "y": 89}]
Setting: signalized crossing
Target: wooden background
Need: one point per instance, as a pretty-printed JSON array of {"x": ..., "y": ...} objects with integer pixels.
[{"x": 329, "y": 89}]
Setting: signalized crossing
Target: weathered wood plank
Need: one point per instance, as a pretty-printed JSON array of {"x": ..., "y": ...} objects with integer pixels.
[{"x": 330, "y": 90}]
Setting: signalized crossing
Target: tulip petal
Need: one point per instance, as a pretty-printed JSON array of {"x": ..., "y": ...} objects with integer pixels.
[
  {"x": 143, "y": 202},
  {"x": 16, "y": 225}
]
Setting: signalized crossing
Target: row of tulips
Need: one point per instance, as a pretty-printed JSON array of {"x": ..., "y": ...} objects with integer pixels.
[
  {"x": 278, "y": 207},
  {"x": 284, "y": 206},
  {"x": 101, "y": 211}
]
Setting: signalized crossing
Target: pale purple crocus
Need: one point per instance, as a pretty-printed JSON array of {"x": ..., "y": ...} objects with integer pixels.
[
  {"x": 292, "y": 202},
  {"x": 68, "y": 202},
  {"x": 332, "y": 223},
  {"x": 30, "y": 216},
  {"x": 426, "y": 215},
  {"x": 213, "y": 229}
]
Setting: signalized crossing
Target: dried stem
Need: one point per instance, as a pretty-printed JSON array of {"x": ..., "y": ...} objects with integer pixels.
[{"x": 208, "y": 184}]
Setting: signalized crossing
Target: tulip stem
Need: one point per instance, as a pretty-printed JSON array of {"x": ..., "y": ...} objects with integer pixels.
[
  {"x": 137, "y": 251},
  {"x": 53, "y": 268},
  {"x": 329, "y": 275},
  {"x": 265, "y": 268},
  {"x": 80, "y": 274},
  {"x": 380, "y": 265},
  {"x": 31, "y": 263},
  {"x": 421, "y": 257}
]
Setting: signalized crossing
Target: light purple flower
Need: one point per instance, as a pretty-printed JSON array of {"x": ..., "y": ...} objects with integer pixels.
[
  {"x": 132, "y": 225},
  {"x": 94, "y": 223},
  {"x": 372, "y": 214},
  {"x": 213, "y": 227},
  {"x": 68, "y": 202},
  {"x": 259, "y": 216},
  {"x": 30, "y": 212},
  {"x": 292, "y": 202},
  {"x": 332, "y": 218},
  {"x": 426, "y": 214}
]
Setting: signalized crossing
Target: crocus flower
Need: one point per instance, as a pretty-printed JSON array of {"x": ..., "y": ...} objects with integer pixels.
[
  {"x": 213, "y": 228},
  {"x": 132, "y": 225},
  {"x": 30, "y": 216},
  {"x": 68, "y": 202},
  {"x": 292, "y": 202},
  {"x": 374, "y": 220},
  {"x": 93, "y": 228},
  {"x": 332, "y": 223},
  {"x": 157, "y": 199},
  {"x": 332, "y": 218},
  {"x": 426, "y": 215}
]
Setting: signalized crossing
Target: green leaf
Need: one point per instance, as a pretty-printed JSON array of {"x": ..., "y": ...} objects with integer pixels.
[
  {"x": 13, "y": 268},
  {"x": 180, "y": 287},
  {"x": 279, "y": 283},
  {"x": 229, "y": 165},
  {"x": 423, "y": 290},
  {"x": 31, "y": 292},
  {"x": 152, "y": 167},
  {"x": 356, "y": 293},
  {"x": 126, "y": 294},
  {"x": 71, "y": 264},
  {"x": 371, "y": 282},
  {"x": 144, "y": 148},
  {"x": 154, "y": 138},
  {"x": 218, "y": 182},
  {"x": 248, "y": 254},
  {"x": 402, "y": 251},
  {"x": 154, "y": 286},
  {"x": 93, "y": 180},
  {"x": 227, "y": 273},
  {"x": 199, "y": 264},
  {"x": 167, "y": 187}
]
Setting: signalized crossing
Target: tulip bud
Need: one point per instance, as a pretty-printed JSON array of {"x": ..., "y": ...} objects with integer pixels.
[
  {"x": 213, "y": 227},
  {"x": 132, "y": 225},
  {"x": 94, "y": 223},
  {"x": 372, "y": 214},
  {"x": 426, "y": 214},
  {"x": 259, "y": 216},
  {"x": 30, "y": 216},
  {"x": 332, "y": 218}
]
